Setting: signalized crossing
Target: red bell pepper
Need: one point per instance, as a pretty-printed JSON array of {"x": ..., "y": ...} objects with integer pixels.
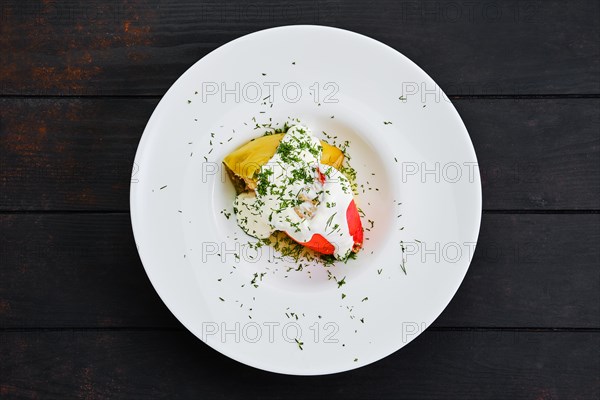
[{"x": 318, "y": 243}]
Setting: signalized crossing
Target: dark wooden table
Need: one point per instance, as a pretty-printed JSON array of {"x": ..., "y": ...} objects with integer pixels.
[{"x": 79, "y": 80}]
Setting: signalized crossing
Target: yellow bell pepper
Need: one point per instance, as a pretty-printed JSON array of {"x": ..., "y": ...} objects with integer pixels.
[{"x": 246, "y": 161}]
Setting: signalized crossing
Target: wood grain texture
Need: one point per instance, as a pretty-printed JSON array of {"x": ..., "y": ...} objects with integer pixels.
[
  {"x": 74, "y": 270},
  {"x": 536, "y": 154},
  {"x": 80, "y": 319},
  {"x": 81, "y": 270},
  {"x": 531, "y": 271},
  {"x": 69, "y": 154},
  {"x": 77, "y": 154},
  {"x": 474, "y": 365},
  {"x": 141, "y": 46}
]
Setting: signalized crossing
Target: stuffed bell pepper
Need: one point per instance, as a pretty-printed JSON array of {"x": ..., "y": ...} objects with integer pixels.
[{"x": 291, "y": 182}]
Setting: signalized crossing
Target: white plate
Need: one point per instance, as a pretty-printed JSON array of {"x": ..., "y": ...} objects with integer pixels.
[{"x": 423, "y": 159}]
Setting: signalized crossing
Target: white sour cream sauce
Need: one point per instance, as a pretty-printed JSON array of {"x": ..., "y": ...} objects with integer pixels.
[{"x": 290, "y": 197}]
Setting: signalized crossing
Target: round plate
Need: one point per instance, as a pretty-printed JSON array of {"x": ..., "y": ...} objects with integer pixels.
[{"x": 418, "y": 184}]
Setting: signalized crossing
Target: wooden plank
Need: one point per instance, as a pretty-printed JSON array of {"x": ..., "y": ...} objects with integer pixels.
[
  {"x": 531, "y": 271},
  {"x": 81, "y": 270},
  {"x": 536, "y": 154},
  {"x": 175, "y": 365},
  {"x": 78, "y": 153},
  {"x": 74, "y": 270},
  {"x": 142, "y": 46},
  {"x": 533, "y": 154}
]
